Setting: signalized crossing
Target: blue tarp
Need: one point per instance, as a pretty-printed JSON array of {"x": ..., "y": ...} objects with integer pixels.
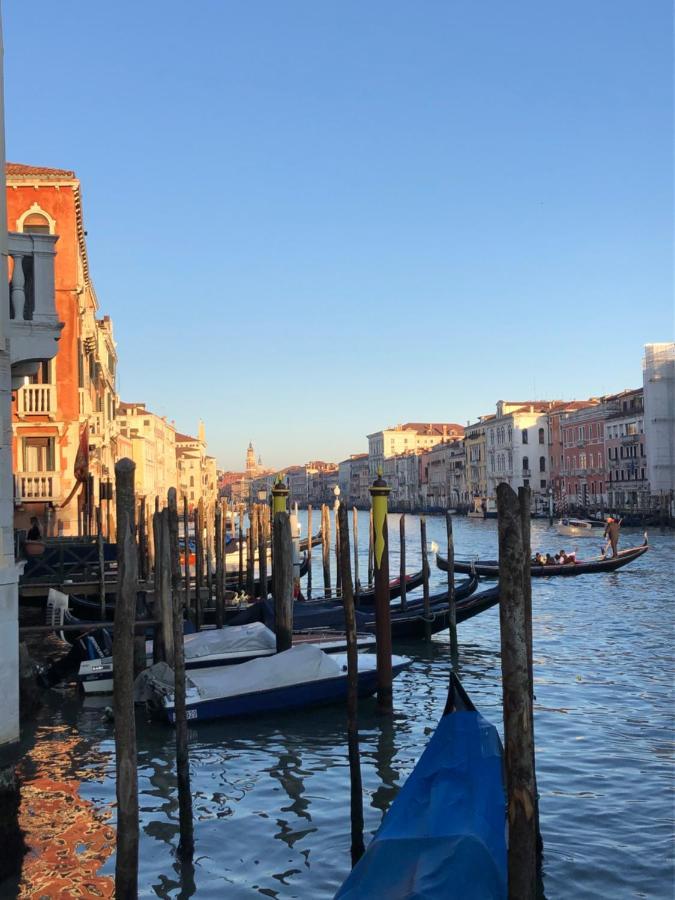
[{"x": 445, "y": 834}]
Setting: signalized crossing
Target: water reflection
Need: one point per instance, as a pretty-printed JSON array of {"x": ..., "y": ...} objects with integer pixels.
[{"x": 69, "y": 837}]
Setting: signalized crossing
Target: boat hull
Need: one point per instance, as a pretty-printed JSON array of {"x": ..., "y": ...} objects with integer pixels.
[{"x": 284, "y": 699}]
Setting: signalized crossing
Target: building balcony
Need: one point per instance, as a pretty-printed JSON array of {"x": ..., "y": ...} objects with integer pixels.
[
  {"x": 37, "y": 487},
  {"x": 34, "y": 328},
  {"x": 36, "y": 400},
  {"x": 526, "y": 473}
]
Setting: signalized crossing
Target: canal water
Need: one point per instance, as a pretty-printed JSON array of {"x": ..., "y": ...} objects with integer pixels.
[{"x": 271, "y": 795}]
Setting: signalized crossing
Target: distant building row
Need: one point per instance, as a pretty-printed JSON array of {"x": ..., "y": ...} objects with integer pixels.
[{"x": 615, "y": 452}]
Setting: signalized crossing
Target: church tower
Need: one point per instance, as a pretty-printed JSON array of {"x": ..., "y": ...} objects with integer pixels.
[{"x": 250, "y": 460}]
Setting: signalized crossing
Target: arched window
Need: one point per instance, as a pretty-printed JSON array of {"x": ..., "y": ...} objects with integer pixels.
[
  {"x": 526, "y": 464},
  {"x": 36, "y": 223},
  {"x": 542, "y": 463},
  {"x": 541, "y": 435},
  {"x": 36, "y": 220},
  {"x": 524, "y": 435}
]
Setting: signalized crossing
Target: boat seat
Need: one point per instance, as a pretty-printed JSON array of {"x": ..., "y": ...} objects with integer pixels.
[{"x": 57, "y": 611}]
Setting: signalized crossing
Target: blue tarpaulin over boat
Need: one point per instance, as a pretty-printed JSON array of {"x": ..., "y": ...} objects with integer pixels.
[{"x": 444, "y": 836}]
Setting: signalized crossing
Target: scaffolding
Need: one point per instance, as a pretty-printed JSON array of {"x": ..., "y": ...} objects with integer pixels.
[{"x": 658, "y": 372}]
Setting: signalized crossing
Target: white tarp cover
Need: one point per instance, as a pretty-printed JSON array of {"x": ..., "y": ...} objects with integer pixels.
[
  {"x": 294, "y": 666},
  {"x": 232, "y": 639}
]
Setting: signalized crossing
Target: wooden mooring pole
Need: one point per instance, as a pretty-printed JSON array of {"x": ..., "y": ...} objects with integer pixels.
[
  {"x": 356, "y": 788},
  {"x": 186, "y": 843},
  {"x": 325, "y": 549},
  {"x": 355, "y": 529},
  {"x": 379, "y": 493},
  {"x": 199, "y": 566},
  {"x": 186, "y": 553},
  {"x": 220, "y": 566},
  {"x": 452, "y": 608},
  {"x": 263, "y": 535},
  {"x": 282, "y": 580},
  {"x": 425, "y": 578},
  {"x": 524, "y": 501},
  {"x": 240, "y": 575},
  {"x": 338, "y": 572},
  {"x": 517, "y": 694},
  {"x": 309, "y": 552},
  {"x": 370, "y": 550},
  {"x": 101, "y": 562},
  {"x": 401, "y": 570},
  {"x": 126, "y": 786}
]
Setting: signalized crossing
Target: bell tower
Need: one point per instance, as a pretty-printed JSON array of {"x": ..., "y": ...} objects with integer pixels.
[{"x": 250, "y": 460}]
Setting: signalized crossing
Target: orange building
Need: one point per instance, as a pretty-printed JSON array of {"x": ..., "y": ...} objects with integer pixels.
[{"x": 70, "y": 403}]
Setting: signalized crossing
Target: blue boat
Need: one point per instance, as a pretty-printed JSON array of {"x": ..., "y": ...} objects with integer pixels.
[
  {"x": 445, "y": 834},
  {"x": 295, "y": 679}
]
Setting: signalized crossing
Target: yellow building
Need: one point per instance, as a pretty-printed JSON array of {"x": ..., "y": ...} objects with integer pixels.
[
  {"x": 153, "y": 449},
  {"x": 197, "y": 474},
  {"x": 475, "y": 446}
]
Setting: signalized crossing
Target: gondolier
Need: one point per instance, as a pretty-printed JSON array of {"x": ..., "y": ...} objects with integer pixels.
[{"x": 612, "y": 529}]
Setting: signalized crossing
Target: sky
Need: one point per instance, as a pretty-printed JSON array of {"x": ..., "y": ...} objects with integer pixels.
[{"x": 311, "y": 220}]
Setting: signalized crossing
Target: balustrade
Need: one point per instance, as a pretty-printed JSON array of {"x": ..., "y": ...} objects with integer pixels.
[
  {"x": 33, "y": 324},
  {"x": 37, "y": 486},
  {"x": 36, "y": 400}
]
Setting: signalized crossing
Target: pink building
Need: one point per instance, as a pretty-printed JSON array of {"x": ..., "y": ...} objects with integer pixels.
[{"x": 582, "y": 479}]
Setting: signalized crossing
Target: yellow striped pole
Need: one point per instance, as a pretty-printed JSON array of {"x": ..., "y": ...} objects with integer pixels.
[{"x": 279, "y": 496}]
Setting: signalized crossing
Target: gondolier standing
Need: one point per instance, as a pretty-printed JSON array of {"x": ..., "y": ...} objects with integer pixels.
[{"x": 612, "y": 529}]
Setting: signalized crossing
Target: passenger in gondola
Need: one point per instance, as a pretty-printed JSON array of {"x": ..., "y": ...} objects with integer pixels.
[
  {"x": 550, "y": 561},
  {"x": 539, "y": 560}
]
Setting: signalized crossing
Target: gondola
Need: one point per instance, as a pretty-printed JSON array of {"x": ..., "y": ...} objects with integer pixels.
[
  {"x": 410, "y": 623},
  {"x": 91, "y": 609},
  {"x": 445, "y": 833},
  {"x": 366, "y": 596},
  {"x": 490, "y": 568}
]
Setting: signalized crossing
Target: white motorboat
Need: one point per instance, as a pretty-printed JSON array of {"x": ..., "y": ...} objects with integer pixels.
[
  {"x": 213, "y": 648},
  {"x": 574, "y": 528}
]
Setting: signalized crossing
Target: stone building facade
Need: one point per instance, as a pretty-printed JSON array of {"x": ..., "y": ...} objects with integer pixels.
[{"x": 68, "y": 404}]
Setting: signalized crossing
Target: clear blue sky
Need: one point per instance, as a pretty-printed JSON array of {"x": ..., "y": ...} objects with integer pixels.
[{"x": 310, "y": 220}]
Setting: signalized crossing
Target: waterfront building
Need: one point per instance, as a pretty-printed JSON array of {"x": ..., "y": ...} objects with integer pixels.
[
  {"x": 403, "y": 476},
  {"x": 443, "y": 477},
  {"x": 583, "y": 475},
  {"x": 475, "y": 451},
  {"x": 196, "y": 471},
  {"x": 556, "y": 446},
  {"x": 322, "y": 481},
  {"x": 29, "y": 331},
  {"x": 412, "y": 437},
  {"x": 517, "y": 450},
  {"x": 153, "y": 449},
  {"x": 658, "y": 372},
  {"x": 298, "y": 485},
  {"x": 627, "y": 485},
  {"x": 66, "y": 406},
  {"x": 354, "y": 480}
]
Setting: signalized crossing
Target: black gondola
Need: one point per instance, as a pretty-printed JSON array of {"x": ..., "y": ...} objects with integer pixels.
[
  {"x": 91, "y": 609},
  {"x": 411, "y": 622},
  {"x": 490, "y": 568}
]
